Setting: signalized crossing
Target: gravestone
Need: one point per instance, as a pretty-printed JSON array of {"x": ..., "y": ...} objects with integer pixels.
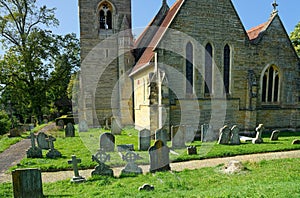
[
  {"x": 224, "y": 135},
  {"x": 115, "y": 127},
  {"x": 61, "y": 124},
  {"x": 161, "y": 134},
  {"x": 274, "y": 135},
  {"x": 107, "y": 142},
  {"x": 178, "y": 136},
  {"x": 296, "y": 141},
  {"x": 191, "y": 150},
  {"x": 76, "y": 178},
  {"x": 83, "y": 126},
  {"x": 131, "y": 168},
  {"x": 52, "y": 153},
  {"x": 146, "y": 187},
  {"x": 42, "y": 141},
  {"x": 235, "y": 138},
  {"x": 102, "y": 169},
  {"x": 159, "y": 157},
  {"x": 27, "y": 183},
  {"x": 34, "y": 151},
  {"x": 259, "y": 130},
  {"x": 70, "y": 130},
  {"x": 207, "y": 133},
  {"x": 125, "y": 147},
  {"x": 190, "y": 132},
  {"x": 144, "y": 139}
]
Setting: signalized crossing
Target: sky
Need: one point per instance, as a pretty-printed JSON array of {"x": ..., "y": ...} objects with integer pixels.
[{"x": 251, "y": 13}]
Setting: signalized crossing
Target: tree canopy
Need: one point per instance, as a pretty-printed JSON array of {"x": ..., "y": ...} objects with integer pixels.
[{"x": 295, "y": 38}]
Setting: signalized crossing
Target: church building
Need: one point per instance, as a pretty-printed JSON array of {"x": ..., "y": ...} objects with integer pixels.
[{"x": 193, "y": 64}]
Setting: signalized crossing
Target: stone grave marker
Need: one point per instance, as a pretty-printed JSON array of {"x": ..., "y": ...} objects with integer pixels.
[
  {"x": 42, "y": 141},
  {"x": 191, "y": 150},
  {"x": 178, "y": 136},
  {"x": 274, "y": 135},
  {"x": 144, "y": 139},
  {"x": 34, "y": 151},
  {"x": 76, "y": 178},
  {"x": 102, "y": 169},
  {"x": 27, "y": 183},
  {"x": 161, "y": 134},
  {"x": 207, "y": 133},
  {"x": 70, "y": 130},
  {"x": 83, "y": 126},
  {"x": 52, "y": 153},
  {"x": 235, "y": 138},
  {"x": 61, "y": 124},
  {"x": 125, "y": 147},
  {"x": 159, "y": 157},
  {"x": 115, "y": 127},
  {"x": 259, "y": 130},
  {"x": 190, "y": 132},
  {"x": 224, "y": 135},
  {"x": 296, "y": 141},
  {"x": 107, "y": 142},
  {"x": 131, "y": 168}
]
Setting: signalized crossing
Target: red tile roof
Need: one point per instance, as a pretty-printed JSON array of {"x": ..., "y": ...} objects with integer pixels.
[{"x": 255, "y": 31}]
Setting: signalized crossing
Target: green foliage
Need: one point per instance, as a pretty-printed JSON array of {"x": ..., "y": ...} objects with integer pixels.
[
  {"x": 5, "y": 122},
  {"x": 295, "y": 38}
]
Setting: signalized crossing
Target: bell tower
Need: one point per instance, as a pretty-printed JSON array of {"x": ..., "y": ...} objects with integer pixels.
[{"x": 106, "y": 42}]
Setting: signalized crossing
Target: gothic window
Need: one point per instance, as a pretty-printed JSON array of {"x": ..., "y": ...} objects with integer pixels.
[
  {"x": 105, "y": 16},
  {"x": 189, "y": 68},
  {"x": 208, "y": 69},
  {"x": 270, "y": 85},
  {"x": 226, "y": 75}
]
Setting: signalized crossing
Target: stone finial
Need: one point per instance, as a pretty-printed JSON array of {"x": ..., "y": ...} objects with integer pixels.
[{"x": 275, "y": 5}]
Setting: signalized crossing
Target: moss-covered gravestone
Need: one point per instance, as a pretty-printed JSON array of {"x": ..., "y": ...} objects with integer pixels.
[{"x": 70, "y": 130}]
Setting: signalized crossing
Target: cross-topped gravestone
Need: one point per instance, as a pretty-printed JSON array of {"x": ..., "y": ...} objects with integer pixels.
[
  {"x": 131, "y": 168},
  {"x": 52, "y": 153},
  {"x": 77, "y": 178},
  {"x": 102, "y": 169},
  {"x": 34, "y": 151}
]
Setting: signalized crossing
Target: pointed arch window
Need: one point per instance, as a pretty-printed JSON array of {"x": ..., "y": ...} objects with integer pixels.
[
  {"x": 189, "y": 68},
  {"x": 271, "y": 85},
  {"x": 208, "y": 69},
  {"x": 105, "y": 16},
  {"x": 226, "y": 74}
]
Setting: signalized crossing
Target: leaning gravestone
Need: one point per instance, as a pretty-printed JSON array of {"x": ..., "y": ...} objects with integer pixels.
[
  {"x": 144, "y": 139},
  {"x": 34, "y": 151},
  {"x": 83, "y": 126},
  {"x": 42, "y": 141},
  {"x": 27, "y": 183},
  {"x": 207, "y": 133},
  {"x": 235, "y": 138},
  {"x": 115, "y": 128},
  {"x": 131, "y": 168},
  {"x": 178, "y": 136},
  {"x": 159, "y": 157},
  {"x": 259, "y": 130},
  {"x": 102, "y": 169},
  {"x": 107, "y": 142},
  {"x": 161, "y": 134},
  {"x": 70, "y": 130},
  {"x": 76, "y": 178},
  {"x": 224, "y": 135},
  {"x": 274, "y": 135}
]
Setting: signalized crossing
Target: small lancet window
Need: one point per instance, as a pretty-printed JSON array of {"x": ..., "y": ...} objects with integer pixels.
[
  {"x": 105, "y": 16},
  {"x": 208, "y": 68},
  {"x": 189, "y": 68},
  {"x": 270, "y": 85},
  {"x": 226, "y": 75}
]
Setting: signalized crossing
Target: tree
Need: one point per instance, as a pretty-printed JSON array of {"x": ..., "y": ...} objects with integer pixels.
[
  {"x": 37, "y": 62},
  {"x": 295, "y": 38}
]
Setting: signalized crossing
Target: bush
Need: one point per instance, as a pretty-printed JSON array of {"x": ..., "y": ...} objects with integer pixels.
[{"x": 5, "y": 123}]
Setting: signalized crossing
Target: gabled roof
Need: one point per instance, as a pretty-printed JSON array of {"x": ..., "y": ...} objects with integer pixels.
[{"x": 148, "y": 54}]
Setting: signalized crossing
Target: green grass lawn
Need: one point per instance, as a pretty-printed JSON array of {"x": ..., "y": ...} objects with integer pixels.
[
  {"x": 275, "y": 178},
  {"x": 84, "y": 144}
]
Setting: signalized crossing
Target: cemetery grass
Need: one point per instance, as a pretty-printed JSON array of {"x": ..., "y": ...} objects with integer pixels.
[
  {"x": 259, "y": 179},
  {"x": 84, "y": 144},
  {"x": 6, "y": 141}
]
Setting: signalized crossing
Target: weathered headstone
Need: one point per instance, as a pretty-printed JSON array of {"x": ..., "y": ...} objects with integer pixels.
[
  {"x": 34, "y": 151},
  {"x": 296, "y": 141},
  {"x": 125, "y": 147},
  {"x": 159, "y": 157},
  {"x": 207, "y": 133},
  {"x": 76, "y": 178},
  {"x": 131, "y": 168},
  {"x": 259, "y": 130},
  {"x": 146, "y": 187},
  {"x": 178, "y": 136},
  {"x": 83, "y": 126},
  {"x": 107, "y": 142},
  {"x": 42, "y": 141},
  {"x": 235, "y": 138},
  {"x": 27, "y": 183},
  {"x": 102, "y": 169},
  {"x": 115, "y": 127},
  {"x": 161, "y": 134},
  {"x": 190, "y": 132},
  {"x": 274, "y": 135},
  {"x": 70, "y": 130},
  {"x": 144, "y": 139},
  {"x": 61, "y": 124},
  {"x": 52, "y": 153},
  {"x": 191, "y": 150},
  {"x": 224, "y": 135}
]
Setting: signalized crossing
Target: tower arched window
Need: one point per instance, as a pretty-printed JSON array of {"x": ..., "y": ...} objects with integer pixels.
[
  {"x": 105, "y": 16},
  {"x": 208, "y": 68},
  {"x": 226, "y": 74},
  {"x": 271, "y": 85},
  {"x": 189, "y": 68}
]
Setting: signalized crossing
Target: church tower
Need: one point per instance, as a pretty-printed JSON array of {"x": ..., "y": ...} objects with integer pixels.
[{"x": 106, "y": 43}]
